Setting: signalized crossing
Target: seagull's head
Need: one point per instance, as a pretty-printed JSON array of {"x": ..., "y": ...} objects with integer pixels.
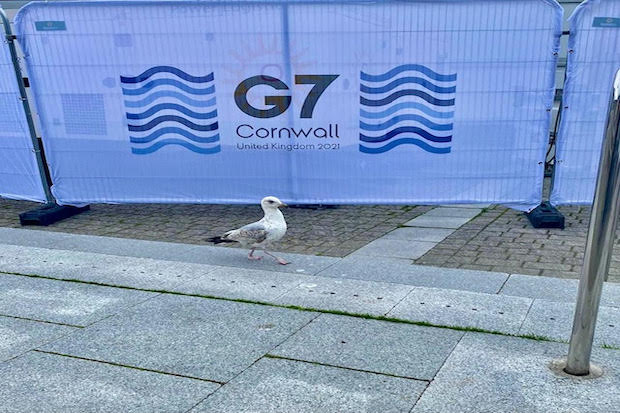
[{"x": 271, "y": 203}]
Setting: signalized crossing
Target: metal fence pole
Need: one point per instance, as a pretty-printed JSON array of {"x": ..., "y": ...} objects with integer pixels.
[
  {"x": 24, "y": 98},
  {"x": 599, "y": 243}
]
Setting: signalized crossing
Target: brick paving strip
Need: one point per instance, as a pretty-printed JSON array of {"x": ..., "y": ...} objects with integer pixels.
[
  {"x": 501, "y": 239},
  {"x": 496, "y": 239},
  {"x": 331, "y": 232}
]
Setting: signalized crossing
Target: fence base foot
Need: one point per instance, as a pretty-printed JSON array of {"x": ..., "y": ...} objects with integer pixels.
[
  {"x": 49, "y": 214},
  {"x": 546, "y": 215}
]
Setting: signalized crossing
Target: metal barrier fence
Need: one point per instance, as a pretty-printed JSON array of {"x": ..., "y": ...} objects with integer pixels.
[
  {"x": 22, "y": 173},
  {"x": 319, "y": 102}
]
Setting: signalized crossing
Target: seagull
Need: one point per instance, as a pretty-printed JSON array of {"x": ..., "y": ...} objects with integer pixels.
[{"x": 260, "y": 234}]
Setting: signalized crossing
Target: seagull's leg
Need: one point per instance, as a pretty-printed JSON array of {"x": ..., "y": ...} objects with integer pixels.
[
  {"x": 251, "y": 255},
  {"x": 280, "y": 260}
]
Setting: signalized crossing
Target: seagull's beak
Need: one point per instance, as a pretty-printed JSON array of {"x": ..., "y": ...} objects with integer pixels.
[{"x": 282, "y": 205}]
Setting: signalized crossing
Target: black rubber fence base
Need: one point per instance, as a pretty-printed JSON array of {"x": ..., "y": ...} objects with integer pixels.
[
  {"x": 546, "y": 215},
  {"x": 49, "y": 214},
  {"x": 313, "y": 206}
]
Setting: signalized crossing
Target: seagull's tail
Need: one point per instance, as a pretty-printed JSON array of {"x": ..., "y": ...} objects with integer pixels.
[{"x": 219, "y": 240}]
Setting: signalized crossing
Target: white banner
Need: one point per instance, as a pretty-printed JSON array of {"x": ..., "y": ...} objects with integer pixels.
[
  {"x": 592, "y": 62},
  {"x": 315, "y": 102},
  {"x": 19, "y": 173}
]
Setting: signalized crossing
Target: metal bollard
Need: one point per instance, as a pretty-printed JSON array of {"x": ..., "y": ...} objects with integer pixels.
[{"x": 599, "y": 244}]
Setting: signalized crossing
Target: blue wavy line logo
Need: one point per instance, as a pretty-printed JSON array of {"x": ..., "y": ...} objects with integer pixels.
[
  {"x": 167, "y": 106},
  {"x": 407, "y": 105}
]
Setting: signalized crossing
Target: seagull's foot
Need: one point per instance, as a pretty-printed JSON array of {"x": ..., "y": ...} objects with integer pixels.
[
  {"x": 254, "y": 258},
  {"x": 282, "y": 262}
]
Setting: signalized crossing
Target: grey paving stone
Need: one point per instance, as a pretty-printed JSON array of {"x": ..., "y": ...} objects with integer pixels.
[
  {"x": 401, "y": 271},
  {"x": 437, "y": 222},
  {"x": 18, "y": 336},
  {"x": 63, "y": 302},
  {"x": 476, "y": 206},
  {"x": 394, "y": 248},
  {"x": 488, "y": 373},
  {"x": 555, "y": 320},
  {"x": 354, "y": 296},
  {"x": 235, "y": 257},
  {"x": 32, "y": 238},
  {"x": 109, "y": 269},
  {"x": 419, "y": 234},
  {"x": 463, "y": 309},
  {"x": 284, "y": 386},
  {"x": 383, "y": 347},
  {"x": 102, "y": 245},
  {"x": 453, "y": 212},
  {"x": 45, "y": 383},
  {"x": 197, "y": 254},
  {"x": 556, "y": 289},
  {"x": 196, "y": 337},
  {"x": 243, "y": 283}
]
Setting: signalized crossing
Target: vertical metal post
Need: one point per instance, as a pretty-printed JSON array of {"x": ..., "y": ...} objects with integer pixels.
[
  {"x": 24, "y": 98},
  {"x": 599, "y": 243}
]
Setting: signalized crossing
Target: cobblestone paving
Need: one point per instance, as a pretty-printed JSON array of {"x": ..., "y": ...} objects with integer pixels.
[
  {"x": 500, "y": 239},
  {"x": 332, "y": 232}
]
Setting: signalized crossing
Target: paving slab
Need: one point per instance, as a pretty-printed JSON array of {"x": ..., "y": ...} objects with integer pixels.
[
  {"x": 392, "y": 348},
  {"x": 45, "y": 383},
  {"x": 190, "y": 253},
  {"x": 284, "y": 386},
  {"x": 419, "y": 234},
  {"x": 196, "y": 337},
  {"x": 477, "y": 206},
  {"x": 464, "y": 309},
  {"x": 109, "y": 269},
  {"x": 18, "y": 336},
  {"x": 98, "y": 244},
  {"x": 394, "y": 248},
  {"x": 63, "y": 302},
  {"x": 555, "y": 320},
  {"x": 556, "y": 289},
  {"x": 437, "y": 222},
  {"x": 236, "y": 257},
  {"x": 454, "y": 212},
  {"x": 488, "y": 373},
  {"x": 243, "y": 283},
  {"x": 362, "y": 297},
  {"x": 401, "y": 271}
]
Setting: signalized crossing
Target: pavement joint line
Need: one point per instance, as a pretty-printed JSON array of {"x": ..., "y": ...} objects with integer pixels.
[
  {"x": 254, "y": 362},
  {"x": 401, "y": 300},
  {"x": 42, "y": 321},
  {"x": 276, "y": 357},
  {"x": 499, "y": 292},
  {"x": 127, "y": 366},
  {"x": 438, "y": 370},
  {"x": 300, "y": 308},
  {"x": 526, "y": 314}
]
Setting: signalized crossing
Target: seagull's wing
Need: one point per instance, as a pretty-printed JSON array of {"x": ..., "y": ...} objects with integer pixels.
[{"x": 249, "y": 234}]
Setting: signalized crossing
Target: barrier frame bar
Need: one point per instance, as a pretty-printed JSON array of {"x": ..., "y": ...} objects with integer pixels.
[
  {"x": 599, "y": 244},
  {"x": 10, "y": 38}
]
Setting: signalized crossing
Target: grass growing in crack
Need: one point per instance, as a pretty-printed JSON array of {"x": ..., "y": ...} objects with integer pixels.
[
  {"x": 307, "y": 309},
  {"x": 539, "y": 338},
  {"x": 610, "y": 347}
]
